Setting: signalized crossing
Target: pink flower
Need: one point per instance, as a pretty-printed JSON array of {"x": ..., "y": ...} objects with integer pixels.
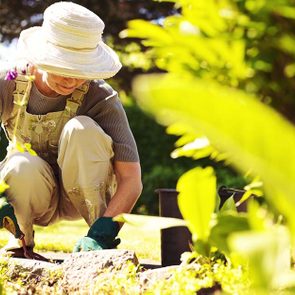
[{"x": 11, "y": 75}]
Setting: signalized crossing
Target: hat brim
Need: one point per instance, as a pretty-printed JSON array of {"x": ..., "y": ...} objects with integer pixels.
[{"x": 99, "y": 63}]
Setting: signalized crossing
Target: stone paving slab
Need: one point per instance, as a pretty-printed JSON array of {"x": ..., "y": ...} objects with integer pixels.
[
  {"x": 29, "y": 269},
  {"x": 151, "y": 276},
  {"x": 80, "y": 270},
  {"x": 59, "y": 257}
]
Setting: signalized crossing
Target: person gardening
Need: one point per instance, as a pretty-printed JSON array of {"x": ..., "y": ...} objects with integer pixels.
[{"x": 71, "y": 152}]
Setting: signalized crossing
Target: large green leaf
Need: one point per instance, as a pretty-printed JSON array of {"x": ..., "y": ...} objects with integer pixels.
[
  {"x": 255, "y": 137},
  {"x": 196, "y": 200},
  {"x": 149, "y": 222},
  {"x": 226, "y": 224}
]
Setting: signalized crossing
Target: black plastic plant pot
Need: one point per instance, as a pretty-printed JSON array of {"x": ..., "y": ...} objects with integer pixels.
[{"x": 174, "y": 240}]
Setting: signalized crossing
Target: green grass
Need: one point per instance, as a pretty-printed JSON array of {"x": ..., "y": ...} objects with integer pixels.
[{"x": 63, "y": 235}]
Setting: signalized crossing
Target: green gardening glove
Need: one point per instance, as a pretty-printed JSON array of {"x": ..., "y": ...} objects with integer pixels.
[
  {"x": 101, "y": 235},
  {"x": 8, "y": 219}
]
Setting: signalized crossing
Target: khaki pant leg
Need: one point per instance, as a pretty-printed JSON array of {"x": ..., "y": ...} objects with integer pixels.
[
  {"x": 32, "y": 192},
  {"x": 85, "y": 153}
]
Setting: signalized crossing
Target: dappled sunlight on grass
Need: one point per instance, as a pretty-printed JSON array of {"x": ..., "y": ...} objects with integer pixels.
[
  {"x": 63, "y": 235},
  {"x": 146, "y": 244}
]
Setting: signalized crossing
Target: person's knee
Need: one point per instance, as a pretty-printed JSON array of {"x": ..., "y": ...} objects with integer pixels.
[
  {"x": 83, "y": 127},
  {"x": 23, "y": 167},
  {"x": 31, "y": 186},
  {"x": 84, "y": 132}
]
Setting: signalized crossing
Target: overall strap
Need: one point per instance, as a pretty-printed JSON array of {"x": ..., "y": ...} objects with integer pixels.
[
  {"x": 22, "y": 86},
  {"x": 76, "y": 98}
]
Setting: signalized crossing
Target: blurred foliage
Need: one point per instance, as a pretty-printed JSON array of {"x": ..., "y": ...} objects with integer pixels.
[
  {"x": 249, "y": 45},
  {"x": 246, "y": 45},
  {"x": 251, "y": 146},
  {"x": 159, "y": 169},
  {"x": 205, "y": 98}
]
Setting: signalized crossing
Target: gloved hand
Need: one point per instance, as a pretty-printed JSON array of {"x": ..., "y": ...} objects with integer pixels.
[
  {"x": 101, "y": 235},
  {"x": 8, "y": 219}
]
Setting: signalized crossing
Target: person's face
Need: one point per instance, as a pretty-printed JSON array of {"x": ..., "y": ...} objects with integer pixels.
[{"x": 61, "y": 85}]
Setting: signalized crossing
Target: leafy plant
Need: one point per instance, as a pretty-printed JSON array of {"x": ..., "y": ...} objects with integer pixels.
[
  {"x": 207, "y": 98},
  {"x": 198, "y": 182},
  {"x": 246, "y": 147}
]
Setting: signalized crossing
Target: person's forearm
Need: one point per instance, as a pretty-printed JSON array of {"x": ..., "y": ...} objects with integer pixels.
[{"x": 128, "y": 191}]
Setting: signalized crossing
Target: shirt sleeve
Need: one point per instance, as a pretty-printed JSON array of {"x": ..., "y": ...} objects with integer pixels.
[{"x": 103, "y": 105}]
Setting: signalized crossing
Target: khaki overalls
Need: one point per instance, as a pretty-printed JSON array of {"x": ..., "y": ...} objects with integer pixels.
[{"x": 71, "y": 176}]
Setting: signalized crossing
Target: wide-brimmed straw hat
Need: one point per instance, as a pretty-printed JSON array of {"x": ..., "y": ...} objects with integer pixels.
[{"x": 69, "y": 43}]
